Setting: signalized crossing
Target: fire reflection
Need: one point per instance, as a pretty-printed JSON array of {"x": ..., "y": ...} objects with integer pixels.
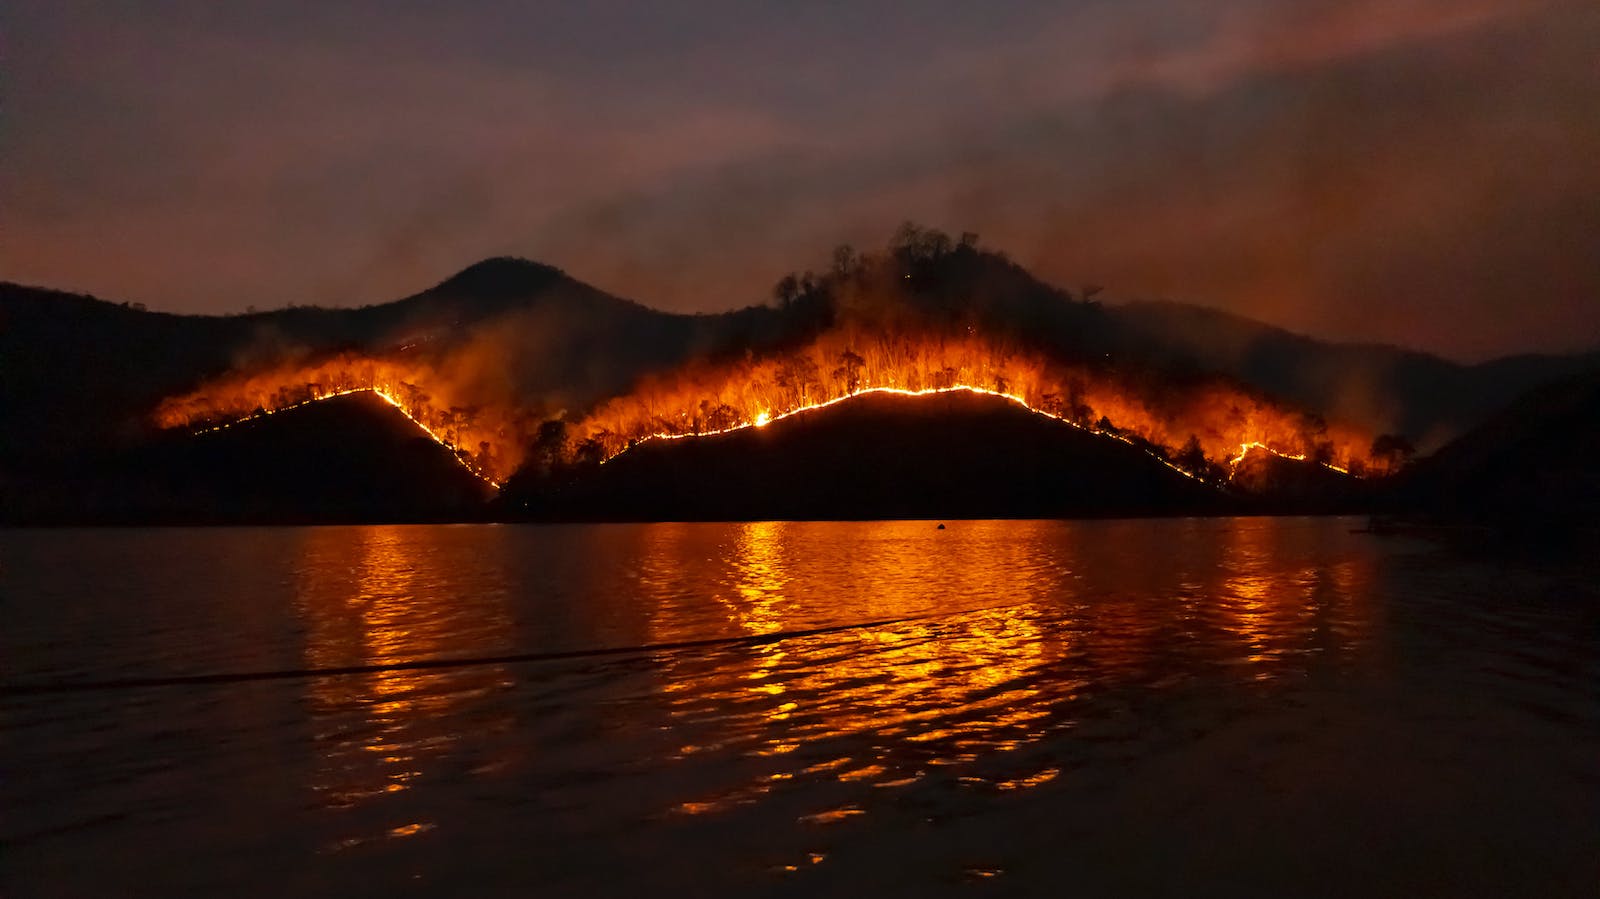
[
  {"x": 1252, "y": 594},
  {"x": 921, "y": 693},
  {"x": 374, "y": 596},
  {"x": 760, "y": 577},
  {"x": 1009, "y": 632},
  {"x": 757, "y": 605},
  {"x": 1279, "y": 614},
  {"x": 1001, "y": 651}
]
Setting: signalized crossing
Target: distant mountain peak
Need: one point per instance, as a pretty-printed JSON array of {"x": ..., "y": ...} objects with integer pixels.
[{"x": 500, "y": 276}]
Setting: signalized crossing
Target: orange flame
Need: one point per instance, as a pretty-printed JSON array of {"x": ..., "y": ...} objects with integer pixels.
[
  {"x": 1200, "y": 427},
  {"x": 1223, "y": 421},
  {"x": 487, "y": 441}
]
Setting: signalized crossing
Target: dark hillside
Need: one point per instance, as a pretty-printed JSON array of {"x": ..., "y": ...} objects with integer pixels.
[
  {"x": 1534, "y": 465},
  {"x": 1385, "y": 388},
  {"x": 876, "y": 456},
  {"x": 350, "y": 459},
  {"x": 82, "y": 373}
]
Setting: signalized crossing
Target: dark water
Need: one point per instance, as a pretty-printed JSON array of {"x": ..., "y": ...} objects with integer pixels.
[{"x": 1158, "y": 707}]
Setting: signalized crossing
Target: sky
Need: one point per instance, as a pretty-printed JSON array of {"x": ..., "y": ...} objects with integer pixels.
[{"x": 1418, "y": 172}]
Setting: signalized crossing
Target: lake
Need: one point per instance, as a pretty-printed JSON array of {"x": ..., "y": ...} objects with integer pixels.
[{"x": 1195, "y": 706}]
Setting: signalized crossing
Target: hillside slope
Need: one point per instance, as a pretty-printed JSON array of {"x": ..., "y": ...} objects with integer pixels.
[
  {"x": 350, "y": 459},
  {"x": 1536, "y": 463},
  {"x": 81, "y": 372},
  {"x": 508, "y": 351},
  {"x": 955, "y": 455},
  {"x": 1386, "y": 388}
]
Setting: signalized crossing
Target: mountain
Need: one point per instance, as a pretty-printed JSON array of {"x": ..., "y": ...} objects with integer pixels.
[
  {"x": 507, "y": 352},
  {"x": 81, "y": 372},
  {"x": 1535, "y": 465},
  {"x": 350, "y": 459},
  {"x": 956, "y": 455},
  {"x": 1385, "y": 388}
]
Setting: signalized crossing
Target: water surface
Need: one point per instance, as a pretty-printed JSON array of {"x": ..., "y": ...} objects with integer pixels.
[{"x": 1245, "y": 705}]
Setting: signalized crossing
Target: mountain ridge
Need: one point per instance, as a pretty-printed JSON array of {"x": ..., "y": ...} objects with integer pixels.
[
  {"x": 874, "y": 456},
  {"x": 1320, "y": 373},
  {"x": 1385, "y": 387},
  {"x": 85, "y": 374}
]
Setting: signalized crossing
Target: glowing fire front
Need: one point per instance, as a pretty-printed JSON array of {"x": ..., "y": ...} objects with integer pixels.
[
  {"x": 1203, "y": 428},
  {"x": 486, "y": 441}
]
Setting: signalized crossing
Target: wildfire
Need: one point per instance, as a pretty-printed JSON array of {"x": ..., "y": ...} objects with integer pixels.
[
  {"x": 1248, "y": 448},
  {"x": 457, "y": 453},
  {"x": 764, "y": 418},
  {"x": 498, "y": 434},
  {"x": 1203, "y": 428}
]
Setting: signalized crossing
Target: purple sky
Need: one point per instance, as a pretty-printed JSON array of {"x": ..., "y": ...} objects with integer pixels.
[{"x": 1424, "y": 172}]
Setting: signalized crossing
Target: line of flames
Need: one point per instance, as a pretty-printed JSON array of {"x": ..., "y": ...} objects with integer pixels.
[
  {"x": 1247, "y": 448},
  {"x": 765, "y": 418},
  {"x": 456, "y": 452}
]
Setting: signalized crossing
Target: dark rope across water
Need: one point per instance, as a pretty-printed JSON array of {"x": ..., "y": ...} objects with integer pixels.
[{"x": 236, "y": 677}]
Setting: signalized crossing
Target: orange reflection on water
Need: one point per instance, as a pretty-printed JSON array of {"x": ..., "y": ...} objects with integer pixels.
[
  {"x": 761, "y": 577},
  {"x": 1280, "y": 612},
  {"x": 925, "y": 691},
  {"x": 994, "y": 639},
  {"x": 375, "y": 596},
  {"x": 1249, "y": 592},
  {"x": 1003, "y": 627}
]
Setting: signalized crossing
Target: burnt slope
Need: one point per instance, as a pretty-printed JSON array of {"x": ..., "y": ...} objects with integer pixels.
[
  {"x": 954, "y": 455},
  {"x": 353, "y": 458}
]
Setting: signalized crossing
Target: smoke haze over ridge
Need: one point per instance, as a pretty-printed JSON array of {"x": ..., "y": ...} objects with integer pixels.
[{"x": 1418, "y": 173}]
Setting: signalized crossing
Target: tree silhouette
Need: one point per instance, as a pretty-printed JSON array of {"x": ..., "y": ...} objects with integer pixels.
[
  {"x": 797, "y": 376},
  {"x": 550, "y": 445},
  {"x": 913, "y": 244},
  {"x": 849, "y": 371},
  {"x": 786, "y": 291},
  {"x": 1393, "y": 451}
]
